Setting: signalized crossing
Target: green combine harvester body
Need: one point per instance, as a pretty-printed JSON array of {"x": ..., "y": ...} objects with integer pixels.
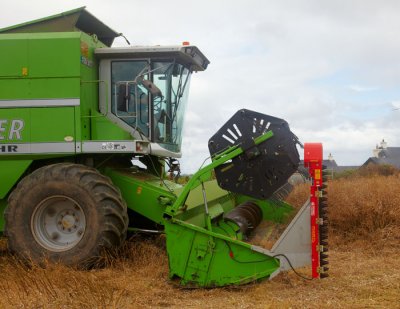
[{"x": 76, "y": 117}]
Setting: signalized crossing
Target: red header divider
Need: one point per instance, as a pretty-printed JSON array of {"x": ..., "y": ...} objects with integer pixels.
[{"x": 313, "y": 161}]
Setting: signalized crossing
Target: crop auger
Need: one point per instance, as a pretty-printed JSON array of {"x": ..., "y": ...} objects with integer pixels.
[{"x": 75, "y": 113}]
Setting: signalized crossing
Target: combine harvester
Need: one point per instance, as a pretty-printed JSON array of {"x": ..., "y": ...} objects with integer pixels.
[{"x": 75, "y": 113}]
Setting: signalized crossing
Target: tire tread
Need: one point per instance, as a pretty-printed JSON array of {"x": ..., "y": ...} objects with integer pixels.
[{"x": 108, "y": 200}]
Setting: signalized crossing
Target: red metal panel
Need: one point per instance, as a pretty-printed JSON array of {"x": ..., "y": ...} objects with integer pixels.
[{"x": 313, "y": 161}]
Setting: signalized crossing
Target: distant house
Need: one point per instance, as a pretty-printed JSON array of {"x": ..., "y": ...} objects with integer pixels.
[
  {"x": 329, "y": 165},
  {"x": 332, "y": 165},
  {"x": 385, "y": 155}
]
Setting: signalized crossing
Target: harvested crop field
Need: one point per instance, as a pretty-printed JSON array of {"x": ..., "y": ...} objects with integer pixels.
[{"x": 364, "y": 266}]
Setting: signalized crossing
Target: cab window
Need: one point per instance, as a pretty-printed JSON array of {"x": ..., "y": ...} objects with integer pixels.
[{"x": 130, "y": 99}]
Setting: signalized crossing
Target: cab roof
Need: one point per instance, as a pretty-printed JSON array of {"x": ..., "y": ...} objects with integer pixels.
[{"x": 186, "y": 54}]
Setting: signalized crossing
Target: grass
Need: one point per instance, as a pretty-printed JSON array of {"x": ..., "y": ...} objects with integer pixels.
[{"x": 364, "y": 266}]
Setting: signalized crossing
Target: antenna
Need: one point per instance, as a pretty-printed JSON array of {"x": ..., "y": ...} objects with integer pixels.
[{"x": 121, "y": 34}]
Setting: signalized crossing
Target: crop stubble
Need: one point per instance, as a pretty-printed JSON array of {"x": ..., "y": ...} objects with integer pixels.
[{"x": 364, "y": 266}]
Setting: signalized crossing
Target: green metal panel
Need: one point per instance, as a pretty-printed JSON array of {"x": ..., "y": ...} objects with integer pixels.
[
  {"x": 54, "y": 55},
  {"x": 10, "y": 172},
  {"x": 48, "y": 88},
  {"x": 89, "y": 91},
  {"x": 143, "y": 193},
  {"x": 149, "y": 196},
  {"x": 203, "y": 258},
  {"x": 104, "y": 129},
  {"x": 46, "y": 66},
  {"x": 40, "y": 124},
  {"x": 13, "y": 56},
  {"x": 52, "y": 124}
]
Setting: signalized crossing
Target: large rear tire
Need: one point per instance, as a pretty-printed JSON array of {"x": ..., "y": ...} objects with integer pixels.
[{"x": 66, "y": 213}]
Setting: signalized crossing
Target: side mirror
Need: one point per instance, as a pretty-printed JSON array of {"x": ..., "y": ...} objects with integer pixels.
[{"x": 123, "y": 97}]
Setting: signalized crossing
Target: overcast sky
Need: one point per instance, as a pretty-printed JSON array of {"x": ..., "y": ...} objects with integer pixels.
[{"x": 330, "y": 68}]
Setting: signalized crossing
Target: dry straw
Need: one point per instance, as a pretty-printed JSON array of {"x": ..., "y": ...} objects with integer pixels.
[{"x": 364, "y": 210}]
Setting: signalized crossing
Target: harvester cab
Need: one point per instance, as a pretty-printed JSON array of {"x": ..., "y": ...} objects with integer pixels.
[
  {"x": 149, "y": 92},
  {"x": 70, "y": 124}
]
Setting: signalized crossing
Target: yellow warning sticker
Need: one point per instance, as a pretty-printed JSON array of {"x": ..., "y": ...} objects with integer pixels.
[
  {"x": 317, "y": 174},
  {"x": 313, "y": 234}
]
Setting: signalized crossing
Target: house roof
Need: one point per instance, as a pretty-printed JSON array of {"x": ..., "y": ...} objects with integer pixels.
[
  {"x": 75, "y": 20},
  {"x": 328, "y": 163},
  {"x": 332, "y": 165},
  {"x": 389, "y": 155}
]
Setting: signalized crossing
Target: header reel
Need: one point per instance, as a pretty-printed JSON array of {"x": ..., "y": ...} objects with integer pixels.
[{"x": 261, "y": 169}]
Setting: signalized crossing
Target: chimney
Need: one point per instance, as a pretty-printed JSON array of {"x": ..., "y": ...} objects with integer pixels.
[{"x": 376, "y": 151}]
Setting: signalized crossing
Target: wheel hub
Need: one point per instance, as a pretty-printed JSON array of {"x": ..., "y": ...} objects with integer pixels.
[
  {"x": 58, "y": 223},
  {"x": 67, "y": 222}
]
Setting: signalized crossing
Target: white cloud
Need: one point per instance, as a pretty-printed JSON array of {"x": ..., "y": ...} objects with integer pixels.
[
  {"x": 315, "y": 63},
  {"x": 358, "y": 88},
  {"x": 395, "y": 105}
]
